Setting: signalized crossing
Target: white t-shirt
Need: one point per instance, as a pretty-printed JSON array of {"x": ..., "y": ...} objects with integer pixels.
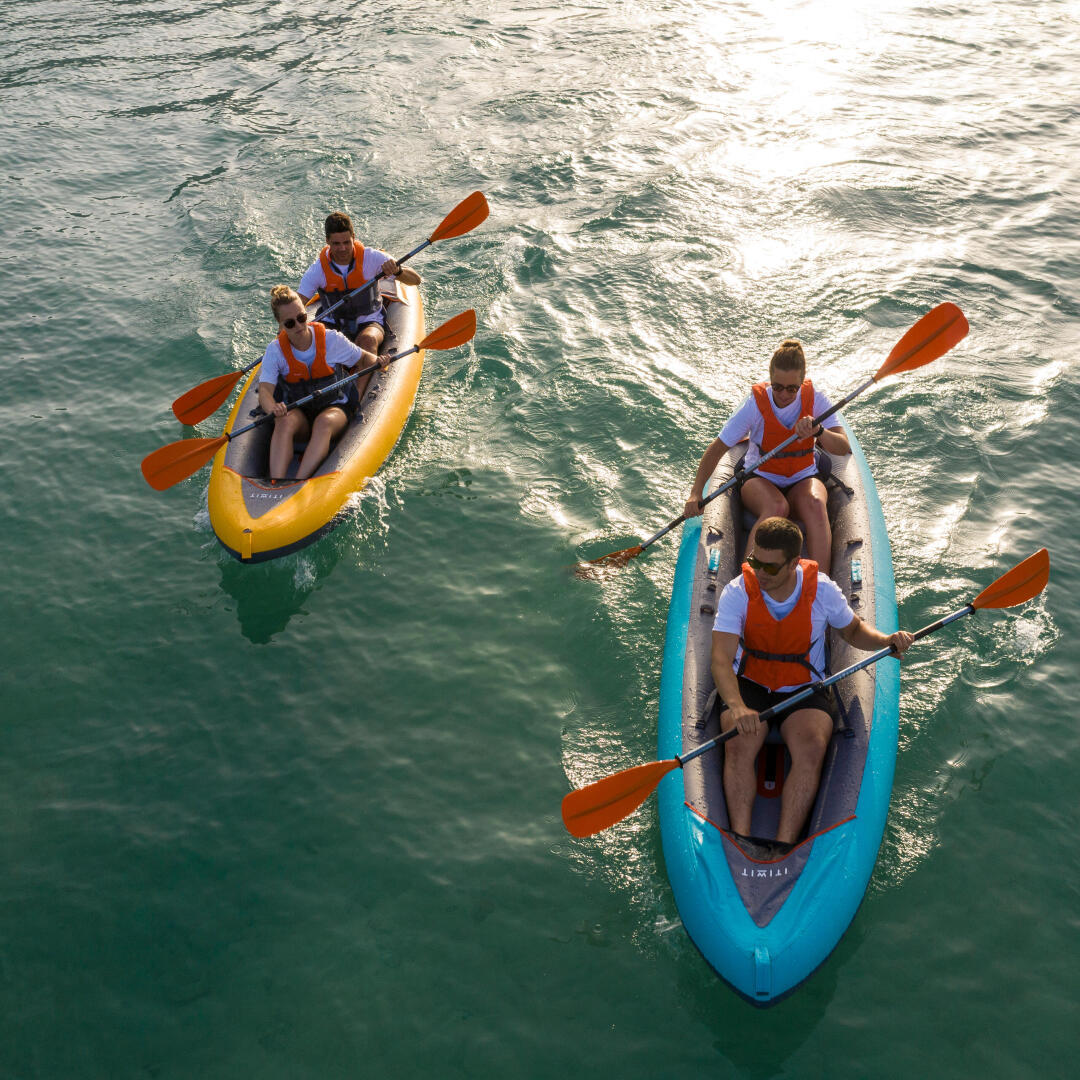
[
  {"x": 748, "y": 421},
  {"x": 339, "y": 350},
  {"x": 314, "y": 279},
  {"x": 830, "y": 608}
]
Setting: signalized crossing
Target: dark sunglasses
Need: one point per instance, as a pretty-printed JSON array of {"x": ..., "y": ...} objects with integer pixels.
[
  {"x": 772, "y": 568},
  {"x": 290, "y": 323},
  {"x": 790, "y": 388}
]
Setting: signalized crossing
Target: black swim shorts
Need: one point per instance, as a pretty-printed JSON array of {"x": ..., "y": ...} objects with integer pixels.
[{"x": 759, "y": 698}]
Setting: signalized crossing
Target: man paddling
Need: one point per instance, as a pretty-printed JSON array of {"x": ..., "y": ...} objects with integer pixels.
[
  {"x": 345, "y": 264},
  {"x": 768, "y": 642}
]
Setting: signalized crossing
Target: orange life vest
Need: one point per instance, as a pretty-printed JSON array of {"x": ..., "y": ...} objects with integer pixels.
[
  {"x": 355, "y": 273},
  {"x": 298, "y": 370},
  {"x": 363, "y": 304},
  {"x": 800, "y": 454},
  {"x": 776, "y": 652}
]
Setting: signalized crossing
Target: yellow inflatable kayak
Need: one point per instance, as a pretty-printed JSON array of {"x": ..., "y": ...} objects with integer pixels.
[{"x": 256, "y": 521}]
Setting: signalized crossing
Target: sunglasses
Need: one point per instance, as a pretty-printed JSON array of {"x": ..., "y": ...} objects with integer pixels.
[
  {"x": 771, "y": 568},
  {"x": 787, "y": 388},
  {"x": 290, "y": 323}
]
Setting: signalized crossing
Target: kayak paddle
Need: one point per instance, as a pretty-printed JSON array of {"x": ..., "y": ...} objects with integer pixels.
[
  {"x": 177, "y": 461},
  {"x": 205, "y": 399},
  {"x": 932, "y": 336},
  {"x": 599, "y": 805}
]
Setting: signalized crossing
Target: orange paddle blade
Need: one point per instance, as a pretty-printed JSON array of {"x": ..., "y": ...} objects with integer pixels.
[
  {"x": 452, "y": 333},
  {"x": 1020, "y": 584},
  {"x": 468, "y": 213},
  {"x": 590, "y": 569},
  {"x": 932, "y": 336},
  {"x": 205, "y": 399},
  {"x": 598, "y": 806},
  {"x": 177, "y": 461}
]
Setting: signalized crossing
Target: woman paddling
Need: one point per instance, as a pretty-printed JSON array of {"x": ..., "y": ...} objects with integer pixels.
[
  {"x": 788, "y": 485},
  {"x": 300, "y": 360}
]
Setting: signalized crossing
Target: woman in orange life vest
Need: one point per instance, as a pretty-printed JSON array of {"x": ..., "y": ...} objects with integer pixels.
[
  {"x": 787, "y": 485},
  {"x": 769, "y": 641},
  {"x": 345, "y": 264},
  {"x": 298, "y": 361}
]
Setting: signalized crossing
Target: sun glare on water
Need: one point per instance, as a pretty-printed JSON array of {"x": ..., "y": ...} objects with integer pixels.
[{"x": 792, "y": 67}]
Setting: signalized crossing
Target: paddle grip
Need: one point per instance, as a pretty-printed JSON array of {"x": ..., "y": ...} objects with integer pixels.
[{"x": 766, "y": 714}]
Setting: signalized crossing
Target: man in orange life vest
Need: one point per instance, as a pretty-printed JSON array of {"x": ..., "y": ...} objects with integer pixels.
[
  {"x": 301, "y": 359},
  {"x": 343, "y": 265},
  {"x": 787, "y": 485},
  {"x": 768, "y": 642}
]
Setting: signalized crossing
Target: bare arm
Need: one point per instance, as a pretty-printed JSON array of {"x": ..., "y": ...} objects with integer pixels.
[
  {"x": 267, "y": 402},
  {"x": 834, "y": 441},
  {"x": 831, "y": 440},
  {"x": 863, "y": 636},
  {"x": 405, "y": 274},
  {"x": 365, "y": 359},
  {"x": 727, "y": 682},
  {"x": 709, "y": 460}
]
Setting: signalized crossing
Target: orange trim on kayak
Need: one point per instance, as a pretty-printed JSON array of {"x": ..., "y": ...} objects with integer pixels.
[
  {"x": 762, "y": 862},
  {"x": 280, "y": 484}
]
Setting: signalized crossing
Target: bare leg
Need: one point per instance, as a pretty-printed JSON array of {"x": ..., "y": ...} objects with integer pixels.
[
  {"x": 328, "y": 423},
  {"x": 740, "y": 776},
  {"x": 370, "y": 337},
  {"x": 807, "y": 733},
  {"x": 764, "y": 499},
  {"x": 287, "y": 428},
  {"x": 808, "y": 500}
]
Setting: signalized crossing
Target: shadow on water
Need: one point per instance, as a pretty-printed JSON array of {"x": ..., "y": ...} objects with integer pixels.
[
  {"x": 759, "y": 1042},
  {"x": 267, "y": 595}
]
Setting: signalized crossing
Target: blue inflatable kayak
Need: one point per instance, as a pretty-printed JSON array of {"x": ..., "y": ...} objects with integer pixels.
[{"x": 763, "y": 919}]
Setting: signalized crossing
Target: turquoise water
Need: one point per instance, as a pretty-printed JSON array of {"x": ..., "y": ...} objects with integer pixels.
[{"x": 302, "y": 819}]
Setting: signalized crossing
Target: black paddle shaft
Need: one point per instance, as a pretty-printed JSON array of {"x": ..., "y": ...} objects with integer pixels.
[{"x": 325, "y": 390}]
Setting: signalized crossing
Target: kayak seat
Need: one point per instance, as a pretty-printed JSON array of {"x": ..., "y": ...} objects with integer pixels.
[
  {"x": 300, "y": 445},
  {"x": 824, "y": 474}
]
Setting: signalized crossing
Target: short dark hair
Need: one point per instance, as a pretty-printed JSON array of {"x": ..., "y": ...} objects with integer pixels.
[
  {"x": 780, "y": 534},
  {"x": 338, "y": 222}
]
